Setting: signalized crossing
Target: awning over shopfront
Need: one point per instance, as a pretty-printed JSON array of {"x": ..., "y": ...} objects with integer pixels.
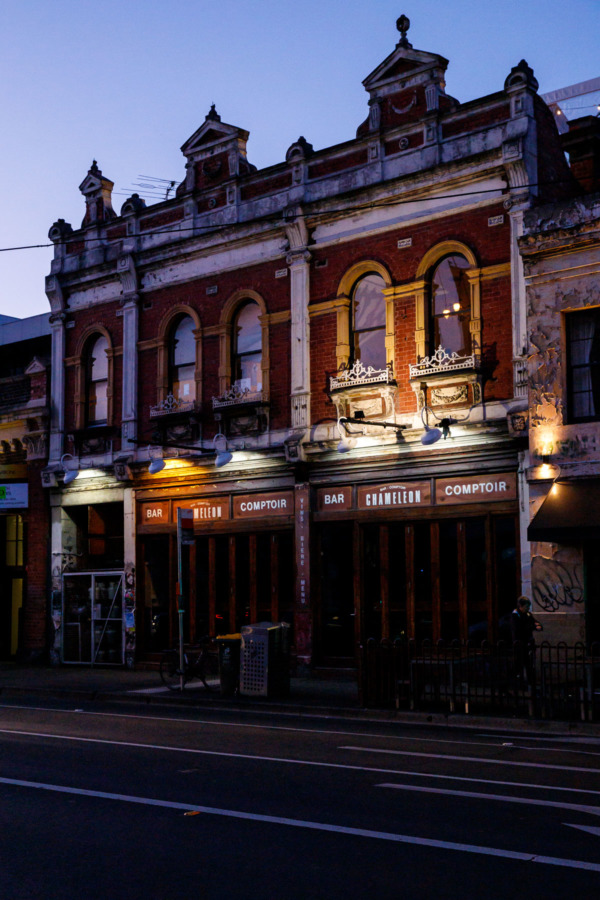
[{"x": 569, "y": 514}]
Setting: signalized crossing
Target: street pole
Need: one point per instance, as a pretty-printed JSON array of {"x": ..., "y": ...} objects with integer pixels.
[{"x": 185, "y": 535}]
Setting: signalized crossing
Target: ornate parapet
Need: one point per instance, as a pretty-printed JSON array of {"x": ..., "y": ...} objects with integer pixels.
[{"x": 358, "y": 375}]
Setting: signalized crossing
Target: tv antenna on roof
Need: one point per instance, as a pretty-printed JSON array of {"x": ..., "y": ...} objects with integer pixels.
[{"x": 157, "y": 188}]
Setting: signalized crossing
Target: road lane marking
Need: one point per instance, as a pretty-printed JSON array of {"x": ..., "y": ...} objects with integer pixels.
[
  {"x": 286, "y": 760},
  {"x": 312, "y": 826},
  {"x": 475, "y": 759},
  {"x": 591, "y": 829},
  {"x": 473, "y": 795}
]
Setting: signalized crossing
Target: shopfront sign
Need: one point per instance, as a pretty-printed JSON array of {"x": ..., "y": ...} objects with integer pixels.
[
  {"x": 18, "y": 470},
  {"x": 334, "y": 499},
  {"x": 154, "y": 513},
  {"x": 205, "y": 509},
  {"x": 477, "y": 489},
  {"x": 395, "y": 496},
  {"x": 260, "y": 506},
  {"x": 13, "y": 496}
]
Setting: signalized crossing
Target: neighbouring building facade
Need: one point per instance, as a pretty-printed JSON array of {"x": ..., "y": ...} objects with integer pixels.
[
  {"x": 561, "y": 253},
  {"x": 24, "y": 522},
  {"x": 350, "y": 325}
]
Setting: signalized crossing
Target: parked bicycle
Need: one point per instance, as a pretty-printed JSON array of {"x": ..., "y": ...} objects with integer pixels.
[{"x": 200, "y": 661}]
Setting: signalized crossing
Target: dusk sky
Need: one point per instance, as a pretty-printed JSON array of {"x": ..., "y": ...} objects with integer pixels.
[{"x": 126, "y": 82}]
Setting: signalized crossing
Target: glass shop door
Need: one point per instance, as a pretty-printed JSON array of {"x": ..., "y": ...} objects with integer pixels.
[{"x": 92, "y": 619}]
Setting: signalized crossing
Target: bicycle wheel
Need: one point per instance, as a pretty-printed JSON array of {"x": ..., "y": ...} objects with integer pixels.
[
  {"x": 170, "y": 671},
  {"x": 208, "y": 670}
]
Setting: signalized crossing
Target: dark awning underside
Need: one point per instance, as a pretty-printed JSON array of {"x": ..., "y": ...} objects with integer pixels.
[{"x": 569, "y": 514}]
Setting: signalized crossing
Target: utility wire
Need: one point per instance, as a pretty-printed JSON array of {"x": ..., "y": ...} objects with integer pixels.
[{"x": 277, "y": 218}]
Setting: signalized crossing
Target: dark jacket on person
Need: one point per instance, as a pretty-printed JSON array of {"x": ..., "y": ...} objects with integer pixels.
[{"x": 522, "y": 626}]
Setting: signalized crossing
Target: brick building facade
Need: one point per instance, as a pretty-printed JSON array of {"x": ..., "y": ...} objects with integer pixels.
[
  {"x": 24, "y": 521},
  {"x": 350, "y": 325}
]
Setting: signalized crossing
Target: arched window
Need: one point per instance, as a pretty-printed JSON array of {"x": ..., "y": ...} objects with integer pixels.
[
  {"x": 96, "y": 381},
  {"x": 450, "y": 309},
  {"x": 182, "y": 360},
  {"x": 368, "y": 322},
  {"x": 246, "y": 368}
]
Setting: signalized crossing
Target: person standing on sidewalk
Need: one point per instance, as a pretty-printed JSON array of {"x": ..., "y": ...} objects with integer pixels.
[{"x": 523, "y": 625}]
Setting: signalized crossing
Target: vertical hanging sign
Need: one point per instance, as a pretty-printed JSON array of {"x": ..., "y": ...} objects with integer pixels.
[{"x": 302, "y": 621}]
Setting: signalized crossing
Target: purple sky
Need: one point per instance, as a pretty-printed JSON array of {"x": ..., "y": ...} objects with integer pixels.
[{"x": 128, "y": 81}]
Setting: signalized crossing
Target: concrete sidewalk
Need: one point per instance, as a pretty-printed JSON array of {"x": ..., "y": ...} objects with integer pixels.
[
  {"x": 323, "y": 694},
  {"x": 142, "y": 686}
]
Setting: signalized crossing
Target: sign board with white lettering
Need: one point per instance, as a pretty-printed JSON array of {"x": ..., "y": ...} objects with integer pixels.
[
  {"x": 258, "y": 506},
  {"x": 395, "y": 496},
  {"x": 153, "y": 513},
  {"x": 477, "y": 489},
  {"x": 334, "y": 499},
  {"x": 205, "y": 509}
]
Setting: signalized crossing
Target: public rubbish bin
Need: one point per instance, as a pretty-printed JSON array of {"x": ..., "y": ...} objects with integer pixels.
[
  {"x": 265, "y": 660},
  {"x": 229, "y": 663}
]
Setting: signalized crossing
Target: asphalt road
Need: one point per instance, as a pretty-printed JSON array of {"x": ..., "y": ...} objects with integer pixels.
[{"x": 98, "y": 802}]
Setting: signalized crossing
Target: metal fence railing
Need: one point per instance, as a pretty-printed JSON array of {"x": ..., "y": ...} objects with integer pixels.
[{"x": 553, "y": 681}]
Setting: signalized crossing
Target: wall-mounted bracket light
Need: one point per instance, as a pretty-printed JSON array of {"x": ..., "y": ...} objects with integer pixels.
[
  {"x": 348, "y": 438},
  {"x": 223, "y": 456},
  {"x": 433, "y": 435},
  {"x": 69, "y": 474}
]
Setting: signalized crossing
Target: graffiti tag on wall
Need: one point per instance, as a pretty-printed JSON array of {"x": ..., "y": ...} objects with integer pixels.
[{"x": 554, "y": 585}]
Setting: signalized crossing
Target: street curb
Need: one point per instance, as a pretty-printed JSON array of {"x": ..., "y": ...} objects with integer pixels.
[{"x": 250, "y": 706}]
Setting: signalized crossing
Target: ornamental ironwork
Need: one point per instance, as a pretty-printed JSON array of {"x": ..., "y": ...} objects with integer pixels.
[
  {"x": 171, "y": 404},
  {"x": 237, "y": 395},
  {"x": 441, "y": 362},
  {"x": 358, "y": 374}
]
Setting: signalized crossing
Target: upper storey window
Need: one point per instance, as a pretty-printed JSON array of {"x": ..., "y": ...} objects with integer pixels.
[
  {"x": 583, "y": 365},
  {"x": 247, "y": 348},
  {"x": 368, "y": 322},
  {"x": 96, "y": 381},
  {"x": 182, "y": 360},
  {"x": 450, "y": 310}
]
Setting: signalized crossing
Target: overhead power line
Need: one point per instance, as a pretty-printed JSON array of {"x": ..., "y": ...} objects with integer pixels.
[{"x": 281, "y": 215}]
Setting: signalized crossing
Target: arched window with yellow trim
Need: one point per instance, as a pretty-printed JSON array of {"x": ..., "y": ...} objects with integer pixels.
[
  {"x": 96, "y": 381},
  {"x": 182, "y": 360},
  {"x": 246, "y": 355},
  {"x": 450, "y": 306},
  {"x": 368, "y": 322}
]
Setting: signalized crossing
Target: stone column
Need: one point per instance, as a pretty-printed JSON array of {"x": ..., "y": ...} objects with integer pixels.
[{"x": 298, "y": 262}]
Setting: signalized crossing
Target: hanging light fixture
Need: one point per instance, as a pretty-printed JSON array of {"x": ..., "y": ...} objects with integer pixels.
[
  {"x": 157, "y": 463},
  {"x": 223, "y": 456},
  {"x": 346, "y": 443},
  {"x": 69, "y": 474}
]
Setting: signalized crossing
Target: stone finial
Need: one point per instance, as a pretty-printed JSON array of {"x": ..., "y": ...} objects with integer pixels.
[
  {"x": 521, "y": 76},
  {"x": 213, "y": 115},
  {"x": 403, "y": 24},
  {"x": 97, "y": 191}
]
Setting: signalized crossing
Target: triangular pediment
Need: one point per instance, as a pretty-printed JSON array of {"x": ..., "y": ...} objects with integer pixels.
[
  {"x": 212, "y": 131},
  {"x": 90, "y": 183},
  {"x": 403, "y": 63}
]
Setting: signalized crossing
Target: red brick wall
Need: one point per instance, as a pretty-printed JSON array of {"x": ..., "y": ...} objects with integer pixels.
[
  {"x": 33, "y": 634},
  {"x": 275, "y": 293},
  {"x": 491, "y": 246}
]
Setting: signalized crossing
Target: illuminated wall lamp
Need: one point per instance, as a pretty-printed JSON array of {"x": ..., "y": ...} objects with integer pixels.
[
  {"x": 223, "y": 456},
  {"x": 69, "y": 474},
  {"x": 157, "y": 463}
]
